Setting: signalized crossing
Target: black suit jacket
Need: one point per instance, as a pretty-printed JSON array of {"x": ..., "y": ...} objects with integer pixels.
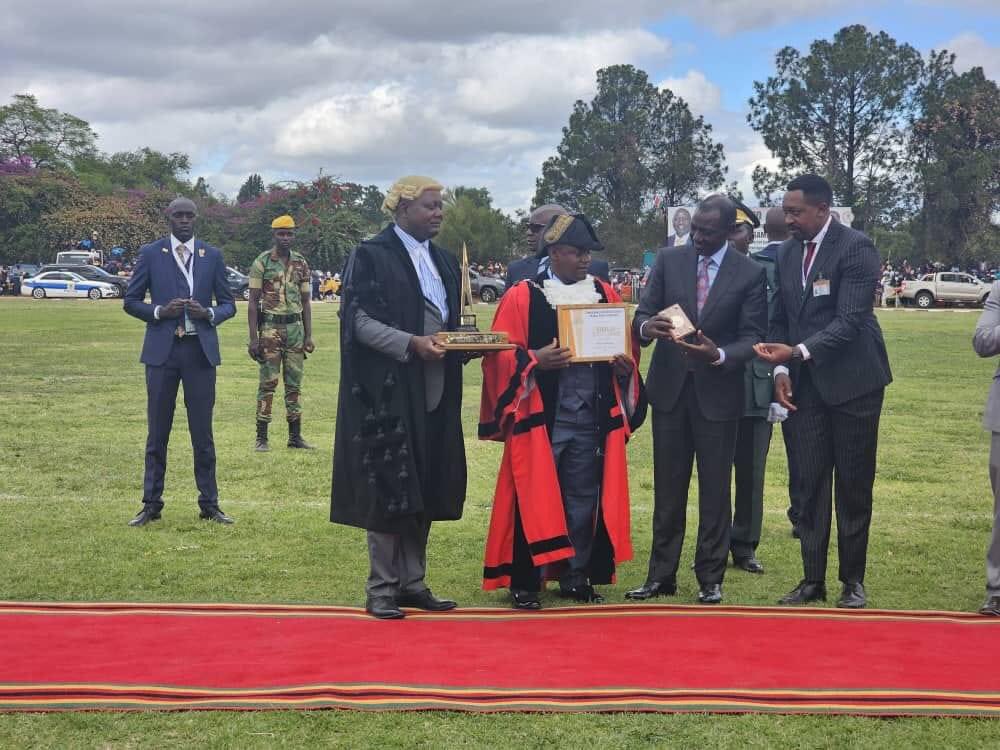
[
  {"x": 848, "y": 357},
  {"x": 527, "y": 268},
  {"x": 734, "y": 317}
]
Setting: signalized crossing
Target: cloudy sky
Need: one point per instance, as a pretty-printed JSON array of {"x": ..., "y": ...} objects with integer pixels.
[{"x": 470, "y": 92}]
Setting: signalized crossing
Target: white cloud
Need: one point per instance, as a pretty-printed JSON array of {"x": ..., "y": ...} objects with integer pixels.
[
  {"x": 533, "y": 79},
  {"x": 971, "y": 50},
  {"x": 364, "y": 89},
  {"x": 702, "y": 96},
  {"x": 346, "y": 124}
]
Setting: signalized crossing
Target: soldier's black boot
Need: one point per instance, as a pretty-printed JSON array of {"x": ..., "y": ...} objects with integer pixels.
[
  {"x": 295, "y": 436},
  {"x": 261, "y": 445}
]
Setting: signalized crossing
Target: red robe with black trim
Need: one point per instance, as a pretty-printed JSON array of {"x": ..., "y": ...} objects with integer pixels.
[{"x": 514, "y": 410}]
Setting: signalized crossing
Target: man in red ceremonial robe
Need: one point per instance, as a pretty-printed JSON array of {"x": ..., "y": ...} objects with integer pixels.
[{"x": 562, "y": 489}]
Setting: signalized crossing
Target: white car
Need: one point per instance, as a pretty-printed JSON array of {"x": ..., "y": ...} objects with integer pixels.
[{"x": 65, "y": 284}]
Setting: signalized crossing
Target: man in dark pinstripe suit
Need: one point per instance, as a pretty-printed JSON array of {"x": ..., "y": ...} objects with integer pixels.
[{"x": 829, "y": 352}]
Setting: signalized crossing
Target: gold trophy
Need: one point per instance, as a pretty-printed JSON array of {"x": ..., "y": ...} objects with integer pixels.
[{"x": 468, "y": 337}]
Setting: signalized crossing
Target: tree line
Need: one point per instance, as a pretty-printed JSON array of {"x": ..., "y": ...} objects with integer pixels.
[{"x": 911, "y": 144}]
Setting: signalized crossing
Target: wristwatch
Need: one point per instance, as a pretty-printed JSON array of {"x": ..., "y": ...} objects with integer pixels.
[{"x": 796, "y": 354}]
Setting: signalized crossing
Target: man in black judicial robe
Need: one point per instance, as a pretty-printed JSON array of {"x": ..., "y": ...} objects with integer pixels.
[{"x": 399, "y": 454}]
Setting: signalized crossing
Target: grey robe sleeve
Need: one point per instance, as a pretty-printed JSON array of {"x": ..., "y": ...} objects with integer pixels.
[{"x": 382, "y": 338}]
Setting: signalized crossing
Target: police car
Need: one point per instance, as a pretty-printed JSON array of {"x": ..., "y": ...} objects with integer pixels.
[{"x": 65, "y": 284}]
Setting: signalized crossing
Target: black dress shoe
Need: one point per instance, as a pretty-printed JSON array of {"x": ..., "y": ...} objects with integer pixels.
[
  {"x": 750, "y": 564},
  {"x": 853, "y": 597},
  {"x": 425, "y": 600},
  {"x": 991, "y": 606},
  {"x": 214, "y": 514},
  {"x": 525, "y": 600},
  {"x": 652, "y": 588},
  {"x": 144, "y": 516},
  {"x": 806, "y": 591},
  {"x": 582, "y": 593},
  {"x": 710, "y": 593},
  {"x": 383, "y": 608}
]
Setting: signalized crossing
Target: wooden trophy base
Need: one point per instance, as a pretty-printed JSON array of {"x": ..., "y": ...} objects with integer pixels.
[{"x": 473, "y": 341}]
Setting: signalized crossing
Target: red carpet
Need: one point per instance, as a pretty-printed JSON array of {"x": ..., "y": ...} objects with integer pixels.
[{"x": 56, "y": 656}]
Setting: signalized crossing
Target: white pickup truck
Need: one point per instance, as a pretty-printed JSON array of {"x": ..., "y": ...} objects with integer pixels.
[{"x": 944, "y": 288}]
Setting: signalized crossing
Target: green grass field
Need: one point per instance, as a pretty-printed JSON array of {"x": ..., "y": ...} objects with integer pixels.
[{"x": 72, "y": 434}]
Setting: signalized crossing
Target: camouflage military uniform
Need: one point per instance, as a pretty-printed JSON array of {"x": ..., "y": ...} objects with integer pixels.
[{"x": 282, "y": 334}]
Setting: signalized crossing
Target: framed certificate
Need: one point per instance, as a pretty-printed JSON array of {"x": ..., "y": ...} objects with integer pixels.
[{"x": 595, "y": 333}]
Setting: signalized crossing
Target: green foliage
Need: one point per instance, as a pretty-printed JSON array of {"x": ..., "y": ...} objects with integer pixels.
[
  {"x": 839, "y": 111},
  {"x": 895, "y": 245},
  {"x": 143, "y": 169},
  {"x": 117, "y": 220},
  {"x": 631, "y": 143},
  {"x": 25, "y": 202},
  {"x": 769, "y": 186},
  {"x": 470, "y": 219},
  {"x": 331, "y": 219},
  {"x": 250, "y": 189},
  {"x": 201, "y": 188},
  {"x": 956, "y": 161},
  {"x": 48, "y": 137}
]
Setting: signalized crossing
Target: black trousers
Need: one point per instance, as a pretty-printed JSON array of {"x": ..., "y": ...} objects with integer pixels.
[
  {"x": 750, "y": 465},
  {"x": 186, "y": 364},
  {"x": 679, "y": 437},
  {"x": 832, "y": 446}
]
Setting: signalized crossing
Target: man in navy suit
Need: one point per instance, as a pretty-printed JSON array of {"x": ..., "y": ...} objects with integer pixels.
[
  {"x": 181, "y": 345},
  {"x": 537, "y": 260}
]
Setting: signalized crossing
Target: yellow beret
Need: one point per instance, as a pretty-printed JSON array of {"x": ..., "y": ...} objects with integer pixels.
[
  {"x": 283, "y": 222},
  {"x": 408, "y": 188}
]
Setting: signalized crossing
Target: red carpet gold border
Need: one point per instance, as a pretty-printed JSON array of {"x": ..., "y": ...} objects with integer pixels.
[{"x": 46, "y": 696}]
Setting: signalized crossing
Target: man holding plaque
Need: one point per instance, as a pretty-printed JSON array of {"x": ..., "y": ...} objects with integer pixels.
[
  {"x": 562, "y": 488},
  {"x": 706, "y": 306},
  {"x": 399, "y": 454}
]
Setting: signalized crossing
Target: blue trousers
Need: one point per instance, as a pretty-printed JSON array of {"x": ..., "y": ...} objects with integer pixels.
[{"x": 186, "y": 364}]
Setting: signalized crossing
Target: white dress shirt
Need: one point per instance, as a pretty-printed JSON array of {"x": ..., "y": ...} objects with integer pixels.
[
  {"x": 818, "y": 239},
  {"x": 188, "y": 271},
  {"x": 427, "y": 273}
]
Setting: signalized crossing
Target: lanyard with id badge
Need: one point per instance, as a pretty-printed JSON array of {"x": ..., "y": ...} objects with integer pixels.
[{"x": 821, "y": 286}]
